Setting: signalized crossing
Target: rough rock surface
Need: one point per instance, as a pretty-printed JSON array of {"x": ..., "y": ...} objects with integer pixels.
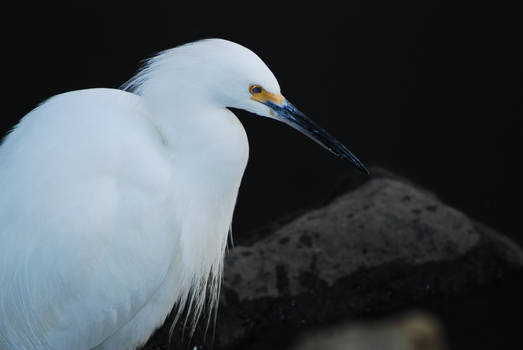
[
  {"x": 378, "y": 247},
  {"x": 383, "y": 221}
]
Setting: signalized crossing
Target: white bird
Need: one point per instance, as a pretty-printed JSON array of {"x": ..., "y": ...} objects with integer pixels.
[{"x": 116, "y": 204}]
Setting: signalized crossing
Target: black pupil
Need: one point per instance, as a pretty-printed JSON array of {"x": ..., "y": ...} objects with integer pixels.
[{"x": 256, "y": 89}]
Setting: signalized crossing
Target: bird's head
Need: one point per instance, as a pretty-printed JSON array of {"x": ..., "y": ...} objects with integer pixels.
[{"x": 230, "y": 75}]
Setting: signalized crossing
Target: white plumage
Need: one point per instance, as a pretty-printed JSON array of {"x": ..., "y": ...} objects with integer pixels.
[{"x": 115, "y": 205}]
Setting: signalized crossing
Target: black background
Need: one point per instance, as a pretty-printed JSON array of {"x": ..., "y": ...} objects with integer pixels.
[{"x": 429, "y": 89}]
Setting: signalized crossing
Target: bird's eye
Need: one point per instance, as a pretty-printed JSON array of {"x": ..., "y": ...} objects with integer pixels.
[{"x": 256, "y": 89}]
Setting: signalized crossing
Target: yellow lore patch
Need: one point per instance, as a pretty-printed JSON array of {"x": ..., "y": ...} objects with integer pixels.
[{"x": 261, "y": 95}]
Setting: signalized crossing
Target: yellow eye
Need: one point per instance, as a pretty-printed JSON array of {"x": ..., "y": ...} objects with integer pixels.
[{"x": 255, "y": 89}]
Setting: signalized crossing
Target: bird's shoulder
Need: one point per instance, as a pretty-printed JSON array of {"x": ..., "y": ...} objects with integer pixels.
[
  {"x": 85, "y": 131},
  {"x": 91, "y": 115}
]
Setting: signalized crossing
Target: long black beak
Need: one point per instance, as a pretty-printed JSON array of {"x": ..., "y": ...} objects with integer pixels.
[{"x": 290, "y": 115}]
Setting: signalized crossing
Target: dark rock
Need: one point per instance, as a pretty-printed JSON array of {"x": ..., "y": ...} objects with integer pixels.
[
  {"x": 384, "y": 246},
  {"x": 382, "y": 229}
]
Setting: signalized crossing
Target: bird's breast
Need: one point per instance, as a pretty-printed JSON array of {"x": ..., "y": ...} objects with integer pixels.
[{"x": 207, "y": 170}]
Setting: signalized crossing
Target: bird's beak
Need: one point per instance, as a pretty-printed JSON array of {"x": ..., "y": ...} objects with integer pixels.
[{"x": 290, "y": 115}]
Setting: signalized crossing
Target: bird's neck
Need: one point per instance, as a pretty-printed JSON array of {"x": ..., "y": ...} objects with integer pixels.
[
  {"x": 204, "y": 140},
  {"x": 208, "y": 148},
  {"x": 195, "y": 127}
]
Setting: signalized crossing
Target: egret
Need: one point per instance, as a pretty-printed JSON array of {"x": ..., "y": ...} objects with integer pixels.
[{"x": 116, "y": 203}]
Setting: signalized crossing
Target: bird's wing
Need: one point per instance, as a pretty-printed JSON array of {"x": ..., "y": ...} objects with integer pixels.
[{"x": 85, "y": 239}]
